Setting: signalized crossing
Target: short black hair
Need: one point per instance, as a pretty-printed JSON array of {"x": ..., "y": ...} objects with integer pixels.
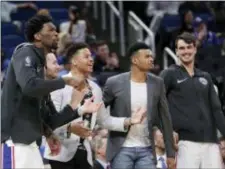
[
  {"x": 100, "y": 43},
  {"x": 135, "y": 47},
  {"x": 72, "y": 49},
  {"x": 74, "y": 9},
  {"x": 222, "y": 138},
  {"x": 34, "y": 25},
  {"x": 187, "y": 38}
]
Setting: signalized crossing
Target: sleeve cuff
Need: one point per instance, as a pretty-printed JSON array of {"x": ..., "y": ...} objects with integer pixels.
[
  {"x": 74, "y": 113},
  {"x": 123, "y": 127},
  {"x": 61, "y": 83}
]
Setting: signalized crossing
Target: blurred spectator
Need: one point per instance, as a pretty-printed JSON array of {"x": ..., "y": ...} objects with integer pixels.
[
  {"x": 100, "y": 144},
  {"x": 156, "y": 70},
  {"x": 92, "y": 45},
  {"x": 195, "y": 7},
  {"x": 75, "y": 26},
  {"x": 112, "y": 63},
  {"x": 166, "y": 7},
  {"x": 102, "y": 55},
  {"x": 187, "y": 19},
  {"x": 222, "y": 150},
  {"x": 187, "y": 22},
  {"x": 65, "y": 41},
  {"x": 219, "y": 13},
  {"x": 43, "y": 12},
  {"x": 90, "y": 31},
  {"x": 105, "y": 64},
  {"x": 7, "y": 8},
  {"x": 160, "y": 150},
  {"x": 65, "y": 69},
  {"x": 203, "y": 35}
]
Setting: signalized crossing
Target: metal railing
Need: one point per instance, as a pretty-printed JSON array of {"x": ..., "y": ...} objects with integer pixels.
[
  {"x": 156, "y": 21},
  {"x": 136, "y": 27},
  {"x": 114, "y": 12},
  {"x": 168, "y": 52}
]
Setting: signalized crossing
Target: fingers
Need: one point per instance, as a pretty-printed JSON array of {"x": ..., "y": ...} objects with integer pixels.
[
  {"x": 143, "y": 110},
  {"x": 87, "y": 134},
  {"x": 98, "y": 106},
  {"x": 79, "y": 122},
  {"x": 139, "y": 108}
]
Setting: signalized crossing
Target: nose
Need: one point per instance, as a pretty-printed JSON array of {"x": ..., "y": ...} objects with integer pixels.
[
  {"x": 151, "y": 58},
  {"x": 58, "y": 67},
  {"x": 91, "y": 59},
  {"x": 56, "y": 34}
]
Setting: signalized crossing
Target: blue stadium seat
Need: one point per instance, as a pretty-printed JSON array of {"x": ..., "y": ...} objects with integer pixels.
[
  {"x": 50, "y": 4},
  {"x": 9, "y": 28},
  {"x": 9, "y": 52},
  {"x": 5, "y": 64},
  {"x": 10, "y": 41},
  {"x": 23, "y": 14},
  {"x": 171, "y": 22},
  {"x": 205, "y": 16},
  {"x": 59, "y": 14},
  {"x": 58, "y": 22}
]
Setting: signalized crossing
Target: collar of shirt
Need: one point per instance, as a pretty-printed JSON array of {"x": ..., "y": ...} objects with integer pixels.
[
  {"x": 40, "y": 52},
  {"x": 197, "y": 72},
  {"x": 103, "y": 163}
]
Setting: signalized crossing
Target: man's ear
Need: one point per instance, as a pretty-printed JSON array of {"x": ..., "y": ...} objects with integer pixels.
[
  {"x": 74, "y": 62},
  {"x": 37, "y": 36},
  {"x": 134, "y": 60}
]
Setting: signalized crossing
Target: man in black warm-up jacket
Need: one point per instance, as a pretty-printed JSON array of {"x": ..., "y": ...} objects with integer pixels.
[
  {"x": 195, "y": 109},
  {"x": 26, "y": 111}
]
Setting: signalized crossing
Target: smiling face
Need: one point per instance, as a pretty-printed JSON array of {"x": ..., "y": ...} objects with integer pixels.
[
  {"x": 83, "y": 60},
  {"x": 52, "y": 66},
  {"x": 186, "y": 51}
]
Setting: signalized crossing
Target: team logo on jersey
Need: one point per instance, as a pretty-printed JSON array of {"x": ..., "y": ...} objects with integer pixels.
[
  {"x": 203, "y": 81},
  {"x": 28, "y": 61}
]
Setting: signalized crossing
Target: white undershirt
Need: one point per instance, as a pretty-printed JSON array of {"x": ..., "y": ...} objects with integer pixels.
[
  {"x": 159, "y": 162},
  {"x": 138, "y": 135}
]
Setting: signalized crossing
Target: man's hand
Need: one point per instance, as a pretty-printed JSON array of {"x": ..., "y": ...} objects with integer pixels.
[
  {"x": 27, "y": 5},
  {"x": 79, "y": 129},
  {"x": 171, "y": 164},
  {"x": 73, "y": 81},
  {"x": 176, "y": 139},
  {"x": 89, "y": 106},
  {"x": 138, "y": 116},
  {"x": 54, "y": 144},
  {"x": 33, "y": 6}
]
